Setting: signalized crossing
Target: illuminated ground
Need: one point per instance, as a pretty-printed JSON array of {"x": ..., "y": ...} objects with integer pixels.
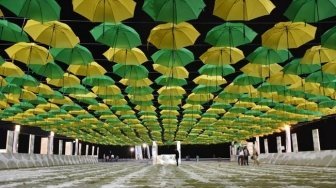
[{"x": 190, "y": 174}]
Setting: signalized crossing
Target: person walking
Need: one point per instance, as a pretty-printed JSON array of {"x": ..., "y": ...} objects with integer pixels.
[
  {"x": 246, "y": 154},
  {"x": 240, "y": 156},
  {"x": 177, "y": 156},
  {"x": 255, "y": 156}
]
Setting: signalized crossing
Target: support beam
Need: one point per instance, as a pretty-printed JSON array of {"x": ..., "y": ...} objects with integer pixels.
[
  {"x": 257, "y": 144},
  {"x": 76, "y": 147},
  {"x": 178, "y": 147},
  {"x": 79, "y": 148},
  {"x": 16, "y": 138},
  {"x": 266, "y": 145},
  {"x": 279, "y": 148},
  {"x": 68, "y": 148},
  {"x": 31, "y": 144},
  {"x": 98, "y": 151},
  {"x": 316, "y": 140},
  {"x": 51, "y": 143},
  {"x": 86, "y": 150},
  {"x": 9, "y": 141},
  {"x": 288, "y": 139},
  {"x": 148, "y": 152},
  {"x": 60, "y": 147},
  {"x": 93, "y": 150},
  {"x": 44, "y": 145},
  {"x": 295, "y": 143},
  {"x": 154, "y": 152}
]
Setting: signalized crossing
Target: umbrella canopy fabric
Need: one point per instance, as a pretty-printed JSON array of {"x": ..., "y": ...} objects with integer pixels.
[
  {"x": 266, "y": 56},
  {"x": 132, "y": 56},
  {"x": 78, "y": 55},
  {"x": 222, "y": 55},
  {"x": 174, "y": 72},
  {"x": 91, "y": 69},
  {"x": 328, "y": 39},
  {"x": 173, "y": 58},
  {"x": 12, "y": 32},
  {"x": 49, "y": 70}
]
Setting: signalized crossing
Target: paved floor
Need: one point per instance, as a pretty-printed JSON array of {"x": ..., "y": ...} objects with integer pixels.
[{"x": 189, "y": 174}]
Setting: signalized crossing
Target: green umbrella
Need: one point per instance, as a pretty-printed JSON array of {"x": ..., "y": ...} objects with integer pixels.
[
  {"x": 77, "y": 89},
  {"x": 2, "y": 96},
  {"x": 318, "y": 10},
  {"x": 12, "y": 32},
  {"x": 204, "y": 89},
  {"x": 253, "y": 112},
  {"x": 331, "y": 84},
  {"x": 167, "y": 97},
  {"x": 112, "y": 97},
  {"x": 103, "y": 112},
  {"x": 49, "y": 70},
  {"x": 139, "y": 90},
  {"x": 13, "y": 110},
  {"x": 238, "y": 110},
  {"x": 165, "y": 107},
  {"x": 69, "y": 107},
  {"x": 225, "y": 95},
  {"x": 40, "y": 10},
  {"x": 267, "y": 56},
  {"x": 57, "y": 112},
  {"x": 98, "y": 80},
  {"x": 11, "y": 88},
  {"x": 284, "y": 107},
  {"x": 320, "y": 77},
  {"x": 173, "y": 58},
  {"x": 38, "y": 100},
  {"x": 25, "y": 80},
  {"x": 85, "y": 116},
  {"x": 24, "y": 105},
  {"x": 174, "y": 11},
  {"x": 135, "y": 72},
  {"x": 221, "y": 106},
  {"x": 79, "y": 55},
  {"x": 147, "y": 113},
  {"x": 116, "y": 35},
  {"x": 190, "y": 111},
  {"x": 319, "y": 98},
  {"x": 1, "y": 60},
  {"x": 170, "y": 81},
  {"x": 54, "y": 95},
  {"x": 244, "y": 79},
  {"x": 121, "y": 108},
  {"x": 327, "y": 104},
  {"x": 214, "y": 70},
  {"x": 267, "y": 102},
  {"x": 267, "y": 87},
  {"x": 230, "y": 34},
  {"x": 328, "y": 39},
  {"x": 295, "y": 67},
  {"x": 210, "y": 115}
]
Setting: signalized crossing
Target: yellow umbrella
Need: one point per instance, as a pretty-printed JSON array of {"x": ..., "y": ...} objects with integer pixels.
[
  {"x": 137, "y": 83},
  {"x": 209, "y": 80},
  {"x": 67, "y": 80},
  {"x": 216, "y": 111},
  {"x": 145, "y": 108},
  {"x": 284, "y": 79},
  {"x": 41, "y": 88},
  {"x": 78, "y": 112},
  {"x": 231, "y": 88},
  {"x": 318, "y": 55},
  {"x": 305, "y": 86},
  {"x": 173, "y": 102},
  {"x": 294, "y": 100},
  {"x": 174, "y": 72},
  {"x": 200, "y": 97},
  {"x": 53, "y": 33},
  {"x": 308, "y": 106},
  {"x": 10, "y": 69},
  {"x": 4, "y": 104},
  {"x": 48, "y": 106},
  {"x": 104, "y": 11},
  {"x": 1, "y": 14},
  {"x": 245, "y": 104},
  {"x": 84, "y": 96},
  {"x": 259, "y": 70},
  {"x": 3, "y": 82},
  {"x": 222, "y": 55},
  {"x": 329, "y": 68},
  {"x": 29, "y": 53},
  {"x": 110, "y": 116},
  {"x": 115, "y": 102},
  {"x": 27, "y": 95},
  {"x": 12, "y": 98},
  {"x": 91, "y": 69},
  {"x": 193, "y": 106},
  {"x": 100, "y": 106},
  {"x": 171, "y": 90},
  {"x": 132, "y": 56},
  {"x": 261, "y": 108},
  {"x": 106, "y": 90},
  {"x": 169, "y": 112},
  {"x": 242, "y": 9},
  {"x": 65, "y": 100},
  {"x": 35, "y": 111},
  {"x": 285, "y": 35},
  {"x": 173, "y": 36}
]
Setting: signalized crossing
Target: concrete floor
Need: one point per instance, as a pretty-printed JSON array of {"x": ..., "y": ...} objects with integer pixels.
[{"x": 189, "y": 174}]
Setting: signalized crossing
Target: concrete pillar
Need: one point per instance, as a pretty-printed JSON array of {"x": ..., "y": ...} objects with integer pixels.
[
  {"x": 9, "y": 142},
  {"x": 76, "y": 147},
  {"x": 93, "y": 150},
  {"x": 138, "y": 153},
  {"x": 31, "y": 144},
  {"x": 98, "y": 151},
  {"x": 316, "y": 140},
  {"x": 68, "y": 148},
  {"x": 60, "y": 147},
  {"x": 279, "y": 148},
  {"x": 178, "y": 147},
  {"x": 86, "y": 150},
  {"x": 288, "y": 139},
  {"x": 154, "y": 152},
  {"x": 266, "y": 145},
  {"x": 16, "y": 138},
  {"x": 51, "y": 143},
  {"x": 148, "y": 152},
  {"x": 79, "y": 148},
  {"x": 44, "y": 145},
  {"x": 295, "y": 143},
  {"x": 257, "y": 144}
]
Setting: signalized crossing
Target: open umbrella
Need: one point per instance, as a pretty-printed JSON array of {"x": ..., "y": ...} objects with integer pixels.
[
  {"x": 12, "y": 32},
  {"x": 170, "y": 81},
  {"x": 135, "y": 72},
  {"x": 66, "y": 80},
  {"x": 214, "y": 70},
  {"x": 295, "y": 67},
  {"x": 105, "y": 11},
  {"x": 329, "y": 68},
  {"x": 328, "y": 39},
  {"x": 242, "y": 9},
  {"x": 222, "y": 55},
  {"x": 41, "y": 10},
  {"x": 205, "y": 89},
  {"x": 25, "y": 80},
  {"x": 173, "y": 58},
  {"x": 174, "y": 72},
  {"x": 49, "y": 70},
  {"x": 244, "y": 79},
  {"x": 174, "y": 11},
  {"x": 91, "y": 69},
  {"x": 318, "y": 55},
  {"x": 98, "y": 80},
  {"x": 173, "y": 36},
  {"x": 78, "y": 55},
  {"x": 285, "y": 35},
  {"x": 262, "y": 71},
  {"x": 139, "y": 83},
  {"x": 284, "y": 79},
  {"x": 209, "y": 80},
  {"x": 10, "y": 69},
  {"x": 266, "y": 56},
  {"x": 132, "y": 56}
]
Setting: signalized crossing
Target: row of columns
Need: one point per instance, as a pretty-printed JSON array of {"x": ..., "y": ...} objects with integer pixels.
[{"x": 47, "y": 144}]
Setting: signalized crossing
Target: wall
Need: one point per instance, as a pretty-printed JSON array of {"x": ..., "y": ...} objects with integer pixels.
[{"x": 18, "y": 160}]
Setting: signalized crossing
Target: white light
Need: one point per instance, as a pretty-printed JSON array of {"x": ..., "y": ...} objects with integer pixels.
[
  {"x": 52, "y": 133},
  {"x": 131, "y": 149},
  {"x": 144, "y": 145},
  {"x": 17, "y": 128}
]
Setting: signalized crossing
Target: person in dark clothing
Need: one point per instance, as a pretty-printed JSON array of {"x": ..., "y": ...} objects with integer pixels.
[
  {"x": 177, "y": 155},
  {"x": 246, "y": 155}
]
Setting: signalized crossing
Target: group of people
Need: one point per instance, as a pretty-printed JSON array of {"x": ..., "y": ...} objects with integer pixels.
[
  {"x": 110, "y": 158},
  {"x": 243, "y": 156}
]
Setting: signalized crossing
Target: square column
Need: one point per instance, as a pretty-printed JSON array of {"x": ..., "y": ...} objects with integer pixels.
[
  {"x": 148, "y": 152},
  {"x": 93, "y": 150},
  {"x": 68, "y": 148},
  {"x": 79, "y": 148},
  {"x": 316, "y": 140},
  {"x": 138, "y": 152},
  {"x": 178, "y": 148},
  {"x": 60, "y": 147},
  {"x": 86, "y": 150},
  {"x": 31, "y": 144},
  {"x": 288, "y": 139},
  {"x": 295, "y": 143},
  {"x": 98, "y": 151},
  {"x": 16, "y": 138},
  {"x": 9, "y": 141},
  {"x": 279, "y": 148},
  {"x": 51, "y": 143},
  {"x": 154, "y": 152},
  {"x": 266, "y": 145},
  {"x": 44, "y": 145},
  {"x": 257, "y": 144},
  {"x": 76, "y": 147}
]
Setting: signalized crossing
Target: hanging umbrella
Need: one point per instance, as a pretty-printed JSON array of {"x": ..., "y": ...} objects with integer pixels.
[
  {"x": 171, "y": 91},
  {"x": 132, "y": 56},
  {"x": 174, "y": 72},
  {"x": 78, "y": 89},
  {"x": 173, "y": 36},
  {"x": 174, "y": 11},
  {"x": 318, "y": 55},
  {"x": 261, "y": 71},
  {"x": 328, "y": 39},
  {"x": 25, "y": 80},
  {"x": 135, "y": 72},
  {"x": 232, "y": 88},
  {"x": 66, "y": 80},
  {"x": 29, "y": 53},
  {"x": 319, "y": 10},
  {"x": 169, "y": 81},
  {"x": 40, "y": 10},
  {"x": 329, "y": 68},
  {"x": 41, "y": 89},
  {"x": 11, "y": 88},
  {"x": 78, "y": 55},
  {"x": 116, "y": 35},
  {"x": 106, "y": 90},
  {"x": 267, "y": 56},
  {"x": 65, "y": 100},
  {"x": 91, "y": 69},
  {"x": 38, "y": 100},
  {"x": 327, "y": 104},
  {"x": 200, "y": 97},
  {"x": 204, "y": 89},
  {"x": 284, "y": 79},
  {"x": 69, "y": 107},
  {"x": 27, "y": 95},
  {"x": 12, "y": 32},
  {"x": 214, "y": 70},
  {"x": 320, "y": 77},
  {"x": 210, "y": 80},
  {"x": 105, "y": 11},
  {"x": 50, "y": 70},
  {"x": 173, "y": 58},
  {"x": 242, "y": 9},
  {"x": 53, "y": 33},
  {"x": 268, "y": 87},
  {"x": 222, "y": 55},
  {"x": 53, "y": 95},
  {"x": 244, "y": 79},
  {"x": 139, "y": 90},
  {"x": 98, "y": 80},
  {"x": 10, "y": 69},
  {"x": 285, "y": 35},
  {"x": 139, "y": 83},
  {"x": 230, "y": 34},
  {"x": 295, "y": 67}
]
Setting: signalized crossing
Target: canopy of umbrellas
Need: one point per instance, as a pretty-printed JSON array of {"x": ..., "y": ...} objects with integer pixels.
[{"x": 81, "y": 101}]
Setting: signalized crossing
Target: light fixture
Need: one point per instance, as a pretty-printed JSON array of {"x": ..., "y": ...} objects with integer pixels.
[
  {"x": 17, "y": 128},
  {"x": 131, "y": 149}
]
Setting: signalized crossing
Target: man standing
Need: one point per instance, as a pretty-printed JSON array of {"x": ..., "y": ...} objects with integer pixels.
[{"x": 177, "y": 156}]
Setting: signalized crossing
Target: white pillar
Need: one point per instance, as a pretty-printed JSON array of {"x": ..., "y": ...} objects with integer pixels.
[
  {"x": 93, "y": 150},
  {"x": 60, "y": 147},
  {"x": 98, "y": 151},
  {"x": 257, "y": 144},
  {"x": 44, "y": 145},
  {"x": 79, "y": 148},
  {"x": 86, "y": 150},
  {"x": 279, "y": 148},
  {"x": 31, "y": 144},
  {"x": 138, "y": 152},
  {"x": 154, "y": 152},
  {"x": 16, "y": 138},
  {"x": 316, "y": 140},
  {"x": 148, "y": 152},
  {"x": 288, "y": 139},
  {"x": 178, "y": 147},
  {"x": 266, "y": 145},
  {"x": 295, "y": 143},
  {"x": 68, "y": 148},
  {"x": 9, "y": 142},
  {"x": 51, "y": 143},
  {"x": 76, "y": 147}
]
